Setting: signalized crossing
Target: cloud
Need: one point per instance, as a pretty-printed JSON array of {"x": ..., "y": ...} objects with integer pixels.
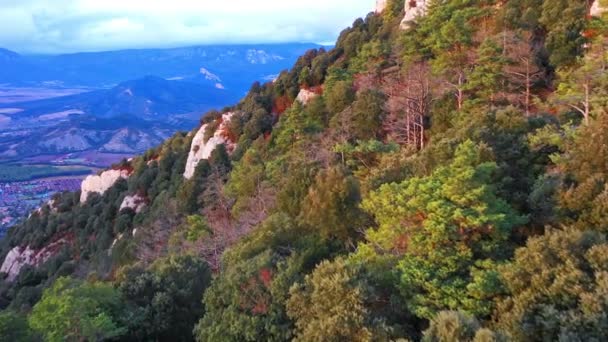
[{"x": 52, "y": 26}]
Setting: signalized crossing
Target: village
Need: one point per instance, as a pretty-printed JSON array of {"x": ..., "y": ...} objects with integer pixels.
[{"x": 19, "y": 198}]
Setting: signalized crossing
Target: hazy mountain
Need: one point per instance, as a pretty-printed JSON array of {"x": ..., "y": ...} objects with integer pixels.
[
  {"x": 8, "y": 55},
  {"x": 131, "y": 117},
  {"x": 15, "y": 69},
  {"x": 233, "y": 67}
]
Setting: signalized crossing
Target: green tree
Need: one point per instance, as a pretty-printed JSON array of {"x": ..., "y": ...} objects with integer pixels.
[
  {"x": 247, "y": 300},
  {"x": 557, "y": 288},
  {"x": 329, "y": 306},
  {"x": 247, "y": 178},
  {"x": 583, "y": 85},
  {"x": 73, "y": 310},
  {"x": 339, "y": 96},
  {"x": 368, "y": 114},
  {"x": 14, "y": 327},
  {"x": 240, "y": 305},
  {"x": 166, "y": 299},
  {"x": 443, "y": 234},
  {"x": 564, "y": 22},
  {"x": 450, "y": 326},
  {"x": 332, "y": 205},
  {"x": 486, "y": 80},
  {"x": 450, "y": 34},
  {"x": 370, "y": 57},
  {"x": 584, "y": 171},
  {"x": 559, "y": 23}
]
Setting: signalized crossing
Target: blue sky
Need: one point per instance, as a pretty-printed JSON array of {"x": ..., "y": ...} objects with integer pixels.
[{"x": 57, "y": 26}]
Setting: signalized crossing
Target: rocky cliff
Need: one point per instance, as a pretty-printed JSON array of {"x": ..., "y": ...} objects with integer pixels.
[
  {"x": 306, "y": 95},
  {"x": 20, "y": 256},
  {"x": 380, "y": 5},
  {"x": 413, "y": 10},
  {"x": 597, "y": 9},
  {"x": 135, "y": 202},
  {"x": 101, "y": 183},
  {"x": 201, "y": 149}
]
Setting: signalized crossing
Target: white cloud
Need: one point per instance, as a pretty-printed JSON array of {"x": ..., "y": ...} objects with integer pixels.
[{"x": 90, "y": 25}]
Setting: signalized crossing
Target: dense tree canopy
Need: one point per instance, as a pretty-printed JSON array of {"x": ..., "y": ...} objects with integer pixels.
[{"x": 444, "y": 181}]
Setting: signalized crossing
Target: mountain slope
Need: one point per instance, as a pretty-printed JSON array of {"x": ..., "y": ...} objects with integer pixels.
[
  {"x": 421, "y": 181},
  {"x": 128, "y": 118},
  {"x": 15, "y": 67}
]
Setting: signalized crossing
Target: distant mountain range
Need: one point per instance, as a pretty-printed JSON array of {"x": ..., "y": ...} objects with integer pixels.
[
  {"x": 168, "y": 90},
  {"x": 229, "y": 66}
]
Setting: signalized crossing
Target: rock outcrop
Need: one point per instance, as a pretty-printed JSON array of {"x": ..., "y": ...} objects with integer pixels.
[
  {"x": 413, "y": 10},
  {"x": 118, "y": 238},
  {"x": 100, "y": 184},
  {"x": 201, "y": 149},
  {"x": 305, "y": 96},
  {"x": 597, "y": 9},
  {"x": 19, "y": 257},
  {"x": 381, "y": 5},
  {"x": 50, "y": 203},
  {"x": 135, "y": 202}
]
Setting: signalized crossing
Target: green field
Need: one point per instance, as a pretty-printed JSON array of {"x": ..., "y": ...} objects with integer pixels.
[{"x": 18, "y": 173}]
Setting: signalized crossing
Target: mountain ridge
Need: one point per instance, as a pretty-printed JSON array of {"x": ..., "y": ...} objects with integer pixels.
[{"x": 106, "y": 68}]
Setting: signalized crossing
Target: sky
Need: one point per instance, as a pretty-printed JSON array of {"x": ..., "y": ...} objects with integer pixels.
[{"x": 63, "y": 26}]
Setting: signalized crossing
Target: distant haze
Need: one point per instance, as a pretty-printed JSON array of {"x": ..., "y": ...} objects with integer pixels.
[{"x": 59, "y": 26}]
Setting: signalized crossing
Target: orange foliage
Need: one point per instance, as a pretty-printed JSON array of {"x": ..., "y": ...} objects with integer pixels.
[
  {"x": 126, "y": 167},
  {"x": 266, "y": 276},
  {"x": 255, "y": 298},
  {"x": 401, "y": 243},
  {"x": 589, "y": 33},
  {"x": 281, "y": 104}
]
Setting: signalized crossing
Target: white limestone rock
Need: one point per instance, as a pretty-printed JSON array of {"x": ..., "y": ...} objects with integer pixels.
[
  {"x": 305, "y": 96},
  {"x": 20, "y": 256},
  {"x": 135, "y": 202},
  {"x": 118, "y": 238},
  {"x": 201, "y": 150},
  {"x": 15, "y": 260},
  {"x": 597, "y": 9},
  {"x": 381, "y": 5},
  {"x": 100, "y": 184},
  {"x": 413, "y": 10},
  {"x": 50, "y": 203},
  {"x": 156, "y": 159}
]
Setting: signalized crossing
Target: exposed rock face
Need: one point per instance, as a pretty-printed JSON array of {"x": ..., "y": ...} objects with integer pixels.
[
  {"x": 19, "y": 256},
  {"x": 135, "y": 202},
  {"x": 413, "y": 10},
  {"x": 50, "y": 203},
  {"x": 381, "y": 5},
  {"x": 597, "y": 9},
  {"x": 201, "y": 150},
  {"x": 118, "y": 238},
  {"x": 100, "y": 184},
  {"x": 305, "y": 96}
]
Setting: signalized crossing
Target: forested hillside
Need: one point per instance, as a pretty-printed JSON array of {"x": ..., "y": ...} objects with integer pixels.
[{"x": 439, "y": 180}]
